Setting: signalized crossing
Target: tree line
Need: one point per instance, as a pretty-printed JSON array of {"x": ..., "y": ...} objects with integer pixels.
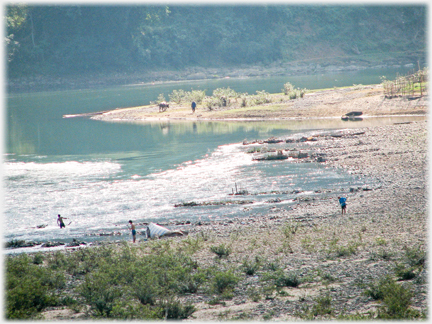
[{"x": 76, "y": 39}]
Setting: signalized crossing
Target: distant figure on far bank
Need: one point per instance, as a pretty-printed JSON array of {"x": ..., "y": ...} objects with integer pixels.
[
  {"x": 342, "y": 202},
  {"x": 193, "y": 106},
  {"x": 60, "y": 221},
  {"x": 132, "y": 227}
]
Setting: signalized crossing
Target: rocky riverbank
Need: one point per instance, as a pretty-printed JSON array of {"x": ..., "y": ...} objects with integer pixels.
[
  {"x": 381, "y": 224},
  {"x": 334, "y": 257}
]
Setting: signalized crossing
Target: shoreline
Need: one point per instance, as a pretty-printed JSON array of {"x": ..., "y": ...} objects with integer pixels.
[
  {"x": 330, "y": 103},
  {"x": 362, "y": 246},
  {"x": 52, "y": 83},
  {"x": 386, "y": 219}
]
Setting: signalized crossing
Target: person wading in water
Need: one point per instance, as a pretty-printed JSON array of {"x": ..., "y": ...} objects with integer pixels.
[{"x": 60, "y": 221}]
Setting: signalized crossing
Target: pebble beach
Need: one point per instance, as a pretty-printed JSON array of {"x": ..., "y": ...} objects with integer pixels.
[{"x": 332, "y": 254}]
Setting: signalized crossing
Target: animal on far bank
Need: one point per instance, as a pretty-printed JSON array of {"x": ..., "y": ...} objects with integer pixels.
[{"x": 163, "y": 106}]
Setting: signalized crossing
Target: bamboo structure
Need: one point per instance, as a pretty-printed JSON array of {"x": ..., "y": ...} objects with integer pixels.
[{"x": 410, "y": 86}]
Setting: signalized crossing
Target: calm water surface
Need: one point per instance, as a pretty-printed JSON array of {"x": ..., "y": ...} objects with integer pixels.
[{"x": 99, "y": 175}]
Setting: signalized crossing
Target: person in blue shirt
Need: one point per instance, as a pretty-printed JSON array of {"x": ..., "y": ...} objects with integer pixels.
[
  {"x": 193, "y": 106},
  {"x": 342, "y": 202}
]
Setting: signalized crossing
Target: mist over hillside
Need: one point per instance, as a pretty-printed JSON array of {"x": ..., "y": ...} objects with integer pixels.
[{"x": 72, "y": 40}]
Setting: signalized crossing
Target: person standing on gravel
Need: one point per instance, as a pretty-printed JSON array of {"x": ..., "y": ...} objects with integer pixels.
[
  {"x": 132, "y": 227},
  {"x": 342, "y": 202},
  {"x": 193, "y": 106}
]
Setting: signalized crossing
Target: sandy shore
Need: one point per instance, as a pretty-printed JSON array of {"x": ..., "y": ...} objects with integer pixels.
[{"x": 310, "y": 239}]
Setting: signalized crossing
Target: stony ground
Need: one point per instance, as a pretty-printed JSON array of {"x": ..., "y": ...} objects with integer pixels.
[
  {"x": 334, "y": 255},
  {"x": 380, "y": 223}
]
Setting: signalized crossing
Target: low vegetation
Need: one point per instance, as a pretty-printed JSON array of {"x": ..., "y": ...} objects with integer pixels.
[
  {"x": 163, "y": 279},
  {"x": 228, "y": 98}
]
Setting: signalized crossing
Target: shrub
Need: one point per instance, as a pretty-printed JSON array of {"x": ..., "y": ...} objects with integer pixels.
[
  {"x": 161, "y": 98},
  {"x": 224, "y": 281},
  {"x": 177, "y": 96},
  {"x": 287, "y": 280},
  {"x": 28, "y": 288},
  {"x": 322, "y": 305},
  {"x": 397, "y": 300},
  {"x": 175, "y": 310},
  {"x": 221, "y": 251},
  {"x": 287, "y": 88},
  {"x": 225, "y": 92},
  {"x": 272, "y": 265},
  {"x": 250, "y": 268},
  {"x": 38, "y": 258},
  {"x": 99, "y": 293},
  {"x": 293, "y": 93},
  {"x": 403, "y": 272},
  {"x": 415, "y": 256},
  {"x": 125, "y": 310},
  {"x": 261, "y": 97}
]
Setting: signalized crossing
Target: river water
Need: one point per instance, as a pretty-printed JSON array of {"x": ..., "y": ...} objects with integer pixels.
[{"x": 99, "y": 175}]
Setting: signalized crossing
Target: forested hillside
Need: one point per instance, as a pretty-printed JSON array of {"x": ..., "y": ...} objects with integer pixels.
[{"x": 66, "y": 40}]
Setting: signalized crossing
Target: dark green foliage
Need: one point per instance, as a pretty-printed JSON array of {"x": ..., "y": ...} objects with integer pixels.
[
  {"x": 224, "y": 281},
  {"x": 322, "y": 305},
  {"x": 250, "y": 267},
  {"x": 396, "y": 299},
  {"x": 405, "y": 273},
  {"x": 287, "y": 280},
  {"x": 38, "y": 258},
  {"x": 221, "y": 251},
  {"x": 29, "y": 287},
  {"x": 415, "y": 256},
  {"x": 280, "y": 279},
  {"x": 68, "y": 39},
  {"x": 115, "y": 284},
  {"x": 175, "y": 310}
]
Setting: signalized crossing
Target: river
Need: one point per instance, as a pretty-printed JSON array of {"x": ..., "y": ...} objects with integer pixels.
[{"x": 99, "y": 175}]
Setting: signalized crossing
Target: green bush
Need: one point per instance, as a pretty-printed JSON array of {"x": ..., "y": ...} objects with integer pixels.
[
  {"x": 287, "y": 88},
  {"x": 287, "y": 280},
  {"x": 292, "y": 92},
  {"x": 100, "y": 294},
  {"x": 29, "y": 288},
  {"x": 127, "y": 310},
  {"x": 322, "y": 305},
  {"x": 175, "y": 310},
  {"x": 404, "y": 273},
  {"x": 38, "y": 258},
  {"x": 221, "y": 251},
  {"x": 249, "y": 267},
  {"x": 224, "y": 281},
  {"x": 161, "y": 98},
  {"x": 177, "y": 96},
  {"x": 181, "y": 96},
  {"x": 415, "y": 256},
  {"x": 261, "y": 97},
  {"x": 396, "y": 299},
  {"x": 280, "y": 279}
]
